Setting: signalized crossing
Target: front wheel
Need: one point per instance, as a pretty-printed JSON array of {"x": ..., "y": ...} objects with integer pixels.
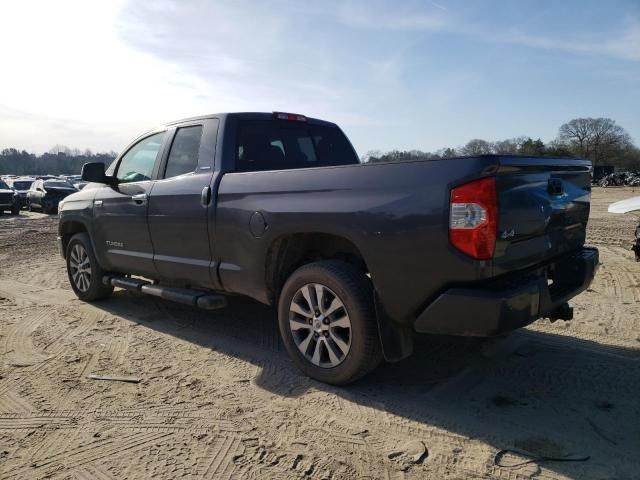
[
  {"x": 85, "y": 275},
  {"x": 327, "y": 322}
]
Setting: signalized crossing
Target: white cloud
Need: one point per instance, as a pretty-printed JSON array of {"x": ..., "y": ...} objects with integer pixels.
[
  {"x": 373, "y": 15},
  {"x": 97, "y": 73},
  {"x": 625, "y": 46},
  {"x": 64, "y": 60}
]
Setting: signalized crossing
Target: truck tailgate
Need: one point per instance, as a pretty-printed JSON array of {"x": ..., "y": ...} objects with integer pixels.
[{"x": 543, "y": 209}]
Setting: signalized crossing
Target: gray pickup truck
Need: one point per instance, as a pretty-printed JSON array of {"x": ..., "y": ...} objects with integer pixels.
[{"x": 357, "y": 257}]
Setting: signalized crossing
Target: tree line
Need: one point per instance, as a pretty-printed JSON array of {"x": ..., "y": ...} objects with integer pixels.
[
  {"x": 60, "y": 160},
  {"x": 600, "y": 140}
]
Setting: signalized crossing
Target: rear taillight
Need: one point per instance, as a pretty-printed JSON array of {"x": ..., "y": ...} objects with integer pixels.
[{"x": 473, "y": 218}]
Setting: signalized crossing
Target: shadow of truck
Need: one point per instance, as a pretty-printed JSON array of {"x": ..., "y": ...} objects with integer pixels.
[{"x": 548, "y": 394}]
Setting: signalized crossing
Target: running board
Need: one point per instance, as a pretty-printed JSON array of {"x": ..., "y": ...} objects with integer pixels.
[{"x": 187, "y": 296}]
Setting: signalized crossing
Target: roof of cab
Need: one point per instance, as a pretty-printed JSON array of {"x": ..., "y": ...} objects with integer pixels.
[{"x": 247, "y": 116}]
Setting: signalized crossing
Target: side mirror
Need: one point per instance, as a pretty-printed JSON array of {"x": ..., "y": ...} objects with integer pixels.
[{"x": 94, "y": 172}]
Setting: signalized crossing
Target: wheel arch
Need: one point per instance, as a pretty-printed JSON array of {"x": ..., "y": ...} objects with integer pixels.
[
  {"x": 290, "y": 252},
  {"x": 68, "y": 229}
]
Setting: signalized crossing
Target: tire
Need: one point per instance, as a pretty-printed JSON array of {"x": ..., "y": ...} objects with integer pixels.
[
  {"x": 353, "y": 290},
  {"x": 15, "y": 210},
  {"x": 86, "y": 287},
  {"x": 29, "y": 207}
]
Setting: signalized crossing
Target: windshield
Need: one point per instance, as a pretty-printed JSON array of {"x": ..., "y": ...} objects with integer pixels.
[
  {"x": 22, "y": 185},
  {"x": 57, "y": 184},
  {"x": 4, "y": 185}
]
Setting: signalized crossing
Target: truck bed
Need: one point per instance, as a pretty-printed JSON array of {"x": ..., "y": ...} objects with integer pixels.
[{"x": 397, "y": 215}]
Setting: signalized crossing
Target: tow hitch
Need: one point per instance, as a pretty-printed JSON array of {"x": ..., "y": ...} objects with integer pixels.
[{"x": 563, "y": 312}]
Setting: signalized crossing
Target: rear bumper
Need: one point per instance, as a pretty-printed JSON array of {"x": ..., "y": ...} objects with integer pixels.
[{"x": 511, "y": 302}]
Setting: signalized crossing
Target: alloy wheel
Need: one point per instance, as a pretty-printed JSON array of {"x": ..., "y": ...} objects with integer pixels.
[
  {"x": 320, "y": 325},
  {"x": 80, "y": 267}
]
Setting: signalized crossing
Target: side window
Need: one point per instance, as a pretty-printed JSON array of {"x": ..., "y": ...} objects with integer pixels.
[
  {"x": 183, "y": 157},
  {"x": 137, "y": 164}
]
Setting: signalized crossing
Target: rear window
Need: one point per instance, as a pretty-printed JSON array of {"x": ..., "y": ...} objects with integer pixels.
[
  {"x": 22, "y": 185},
  {"x": 281, "y": 145}
]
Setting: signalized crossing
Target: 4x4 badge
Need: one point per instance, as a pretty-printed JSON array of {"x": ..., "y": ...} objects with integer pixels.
[{"x": 508, "y": 234}]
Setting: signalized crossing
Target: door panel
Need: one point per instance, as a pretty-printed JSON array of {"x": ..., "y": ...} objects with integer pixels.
[
  {"x": 120, "y": 228},
  {"x": 179, "y": 206},
  {"x": 120, "y": 212},
  {"x": 178, "y": 226}
]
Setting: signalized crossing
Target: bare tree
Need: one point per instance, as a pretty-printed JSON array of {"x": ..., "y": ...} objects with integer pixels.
[
  {"x": 599, "y": 139},
  {"x": 476, "y": 147},
  {"x": 510, "y": 146},
  {"x": 58, "y": 149},
  {"x": 446, "y": 152}
]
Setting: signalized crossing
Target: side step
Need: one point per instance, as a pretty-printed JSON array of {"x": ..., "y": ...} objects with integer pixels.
[{"x": 187, "y": 296}]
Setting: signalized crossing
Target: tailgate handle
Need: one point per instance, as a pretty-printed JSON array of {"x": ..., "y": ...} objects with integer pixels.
[{"x": 555, "y": 186}]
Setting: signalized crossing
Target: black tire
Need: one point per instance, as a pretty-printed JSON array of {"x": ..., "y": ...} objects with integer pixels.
[
  {"x": 355, "y": 291},
  {"x": 96, "y": 290},
  {"x": 29, "y": 207},
  {"x": 15, "y": 210}
]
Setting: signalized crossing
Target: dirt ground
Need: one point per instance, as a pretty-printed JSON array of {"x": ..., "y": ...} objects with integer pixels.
[{"x": 218, "y": 397}]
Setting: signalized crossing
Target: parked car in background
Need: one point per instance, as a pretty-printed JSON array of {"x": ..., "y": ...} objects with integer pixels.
[
  {"x": 9, "y": 200},
  {"x": 46, "y": 194},
  {"x": 22, "y": 185},
  {"x": 72, "y": 178}
]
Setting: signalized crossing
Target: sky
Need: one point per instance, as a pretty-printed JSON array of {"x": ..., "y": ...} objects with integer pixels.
[{"x": 393, "y": 74}]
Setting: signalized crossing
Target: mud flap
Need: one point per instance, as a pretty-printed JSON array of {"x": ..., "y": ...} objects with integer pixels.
[{"x": 396, "y": 341}]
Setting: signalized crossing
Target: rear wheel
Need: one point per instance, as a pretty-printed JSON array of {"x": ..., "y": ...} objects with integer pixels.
[
  {"x": 85, "y": 275},
  {"x": 327, "y": 322},
  {"x": 15, "y": 210}
]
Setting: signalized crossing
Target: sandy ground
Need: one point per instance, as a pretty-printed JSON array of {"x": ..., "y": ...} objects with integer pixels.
[{"x": 218, "y": 397}]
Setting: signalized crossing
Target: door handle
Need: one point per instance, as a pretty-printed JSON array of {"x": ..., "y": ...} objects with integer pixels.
[
  {"x": 140, "y": 199},
  {"x": 205, "y": 197}
]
